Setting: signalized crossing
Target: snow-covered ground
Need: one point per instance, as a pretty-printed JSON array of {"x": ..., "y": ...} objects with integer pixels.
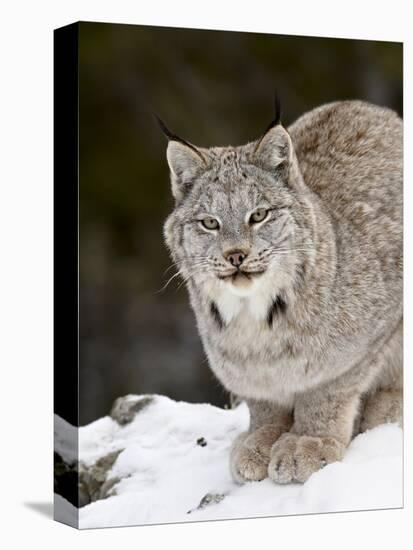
[{"x": 173, "y": 467}]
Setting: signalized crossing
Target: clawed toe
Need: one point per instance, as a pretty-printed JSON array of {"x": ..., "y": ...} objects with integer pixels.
[
  {"x": 250, "y": 454},
  {"x": 296, "y": 458}
]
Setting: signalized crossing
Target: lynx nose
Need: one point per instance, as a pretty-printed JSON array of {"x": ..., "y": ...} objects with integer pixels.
[{"x": 236, "y": 258}]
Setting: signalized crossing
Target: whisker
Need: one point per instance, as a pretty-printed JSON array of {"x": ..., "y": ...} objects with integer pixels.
[
  {"x": 174, "y": 264},
  {"x": 186, "y": 279},
  {"x": 168, "y": 282},
  {"x": 196, "y": 267},
  {"x": 182, "y": 283},
  {"x": 275, "y": 250},
  {"x": 294, "y": 249}
]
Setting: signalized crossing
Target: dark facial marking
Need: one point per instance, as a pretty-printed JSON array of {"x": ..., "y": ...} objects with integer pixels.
[
  {"x": 277, "y": 307},
  {"x": 216, "y": 315}
]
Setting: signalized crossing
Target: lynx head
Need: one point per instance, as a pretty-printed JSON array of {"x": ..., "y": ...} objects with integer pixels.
[{"x": 236, "y": 222}]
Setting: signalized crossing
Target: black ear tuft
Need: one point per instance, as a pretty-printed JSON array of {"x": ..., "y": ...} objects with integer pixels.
[
  {"x": 173, "y": 137},
  {"x": 165, "y": 130},
  {"x": 274, "y": 147},
  {"x": 277, "y": 113}
]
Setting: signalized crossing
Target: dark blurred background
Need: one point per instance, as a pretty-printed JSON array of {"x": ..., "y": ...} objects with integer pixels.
[{"x": 212, "y": 88}]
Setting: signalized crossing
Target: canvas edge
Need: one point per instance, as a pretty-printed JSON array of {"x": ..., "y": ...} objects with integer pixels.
[{"x": 65, "y": 248}]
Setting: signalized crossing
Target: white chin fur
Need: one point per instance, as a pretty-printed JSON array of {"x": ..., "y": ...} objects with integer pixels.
[
  {"x": 242, "y": 288},
  {"x": 232, "y": 300}
]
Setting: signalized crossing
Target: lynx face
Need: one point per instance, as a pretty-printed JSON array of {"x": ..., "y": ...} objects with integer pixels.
[{"x": 234, "y": 226}]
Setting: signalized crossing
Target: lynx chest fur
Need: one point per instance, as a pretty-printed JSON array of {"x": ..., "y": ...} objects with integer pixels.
[{"x": 251, "y": 346}]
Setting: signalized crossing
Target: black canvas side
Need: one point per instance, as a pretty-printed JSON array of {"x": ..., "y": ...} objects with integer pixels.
[{"x": 66, "y": 324}]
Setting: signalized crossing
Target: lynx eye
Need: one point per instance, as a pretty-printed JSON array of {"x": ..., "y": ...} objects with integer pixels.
[
  {"x": 259, "y": 215},
  {"x": 210, "y": 223}
]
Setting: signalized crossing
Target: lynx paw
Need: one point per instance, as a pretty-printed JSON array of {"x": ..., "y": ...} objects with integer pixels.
[
  {"x": 296, "y": 457},
  {"x": 250, "y": 453}
]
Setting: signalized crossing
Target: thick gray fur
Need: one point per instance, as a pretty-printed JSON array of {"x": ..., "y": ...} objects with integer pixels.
[{"x": 311, "y": 338}]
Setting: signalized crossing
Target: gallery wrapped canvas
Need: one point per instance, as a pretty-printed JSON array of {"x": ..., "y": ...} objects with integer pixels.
[{"x": 228, "y": 275}]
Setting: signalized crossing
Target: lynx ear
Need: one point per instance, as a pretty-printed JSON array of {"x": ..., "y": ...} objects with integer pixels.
[
  {"x": 274, "y": 150},
  {"x": 184, "y": 159},
  {"x": 185, "y": 162}
]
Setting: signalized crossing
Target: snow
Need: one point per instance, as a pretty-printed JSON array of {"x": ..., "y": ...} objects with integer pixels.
[
  {"x": 165, "y": 474},
  {"x": 65, "y": 439}
]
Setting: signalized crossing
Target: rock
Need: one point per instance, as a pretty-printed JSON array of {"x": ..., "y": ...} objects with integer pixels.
[
  {"x": 125, "y": 408},
  {"x": 208, "y": 499},
  {"x": 94, "y": 483},
  {"x": 82, "y": 483},
  {"x": 65, "y": 479}
]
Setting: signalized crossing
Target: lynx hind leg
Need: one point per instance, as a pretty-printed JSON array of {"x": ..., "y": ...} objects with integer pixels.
[
  {"x": 384, "y": 402},
  {"x": 382, "y": 407}
]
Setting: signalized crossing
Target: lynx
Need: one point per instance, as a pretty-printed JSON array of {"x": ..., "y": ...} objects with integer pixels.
[{"x": 291, "y": 249}]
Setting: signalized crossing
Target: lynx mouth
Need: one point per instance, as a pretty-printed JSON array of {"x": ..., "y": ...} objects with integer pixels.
[
  {"x": 240, "y": 275},
  {"x": 240, "y": 282}
]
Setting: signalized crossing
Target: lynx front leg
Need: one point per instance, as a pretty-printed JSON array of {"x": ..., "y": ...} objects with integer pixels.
[
  {"x": 323, "y": 425},
  {"x": 250, "y": 453}
]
